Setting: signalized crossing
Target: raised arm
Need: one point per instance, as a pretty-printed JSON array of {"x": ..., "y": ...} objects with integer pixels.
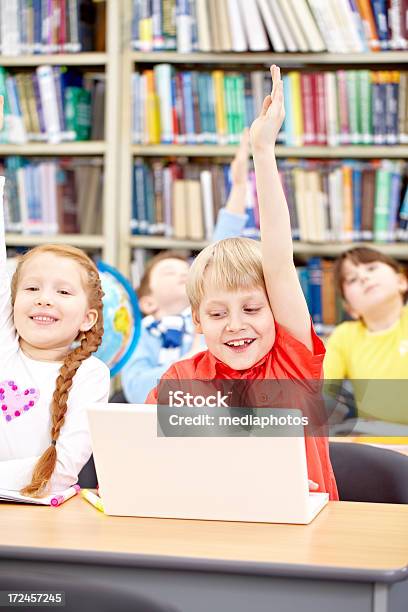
[
  {"x": 284, "y": 291},
  {"x": 239, "y": 177}
]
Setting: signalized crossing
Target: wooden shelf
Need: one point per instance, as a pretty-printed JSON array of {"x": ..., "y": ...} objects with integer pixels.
[
  {"x": 398, "y": 250},
  {"x": 55, "y": 59},
  {"x": 283, "y": 59},
  {"x": 88, "y": 241},
  {"x": 161, "y": 242},
  {"x": 395, "y": 249},
  {"x": 96, "y": 147},
  {"x": 354, "y": 151}
]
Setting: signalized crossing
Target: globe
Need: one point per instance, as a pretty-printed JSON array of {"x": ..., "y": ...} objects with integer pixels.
[{"x": 121, "y": 316}]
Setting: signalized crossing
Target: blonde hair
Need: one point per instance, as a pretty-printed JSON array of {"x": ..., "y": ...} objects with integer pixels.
[
  {"x": 228, "y": 265},
  {"x": 90, "y": 340}
]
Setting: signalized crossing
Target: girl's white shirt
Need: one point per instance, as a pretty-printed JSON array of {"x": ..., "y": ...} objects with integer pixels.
[{"x": 25, "y": 436}]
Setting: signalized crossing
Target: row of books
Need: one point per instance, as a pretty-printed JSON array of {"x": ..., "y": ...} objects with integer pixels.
[
  {"x": 340, "y": 26},
  {"x": 347, "y": 201},
  {"x": 52, "y": 104},
  {"x": 330, "y": 201},
  {"x": 53, "y": 26},
  {"x": 319, "y": 287},
  {"x": 176, "y": 200},
  {"x": 51, "y": 196},
  {"x": 333, "y": 107}
]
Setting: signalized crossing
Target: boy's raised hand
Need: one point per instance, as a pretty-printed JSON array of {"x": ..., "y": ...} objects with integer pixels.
[{"x": 265, "y": 128}]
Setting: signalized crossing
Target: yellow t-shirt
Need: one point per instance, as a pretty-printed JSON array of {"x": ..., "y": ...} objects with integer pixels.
[{"x": 355, "y": 353}]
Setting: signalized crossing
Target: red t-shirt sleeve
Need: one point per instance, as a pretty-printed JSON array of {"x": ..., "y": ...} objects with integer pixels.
[{"x": 294, "y": 358}]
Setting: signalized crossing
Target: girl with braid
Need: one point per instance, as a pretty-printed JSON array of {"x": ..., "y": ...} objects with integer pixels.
[{"x": 55, "y": 300}]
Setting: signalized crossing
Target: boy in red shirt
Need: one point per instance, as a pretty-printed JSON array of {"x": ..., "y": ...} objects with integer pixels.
[{"x": 247, "y": 301}]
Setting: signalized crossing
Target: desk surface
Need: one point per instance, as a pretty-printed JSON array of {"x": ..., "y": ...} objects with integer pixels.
[{"x": 357, "y": 536}]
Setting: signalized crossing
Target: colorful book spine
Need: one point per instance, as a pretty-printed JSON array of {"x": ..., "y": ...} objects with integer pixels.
[
  {"x": 315, "y": 289},
  {"x": 382, "y": 203}
]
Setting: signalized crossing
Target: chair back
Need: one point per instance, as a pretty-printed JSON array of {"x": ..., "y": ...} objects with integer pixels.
[{"x": 366, "y": 473}]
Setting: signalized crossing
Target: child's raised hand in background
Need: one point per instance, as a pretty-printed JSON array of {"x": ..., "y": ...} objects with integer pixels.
[
  {"x": 239, "y": 177},
  {"x": 265, "y": 128},
  {"x": 239, "y": 165}
]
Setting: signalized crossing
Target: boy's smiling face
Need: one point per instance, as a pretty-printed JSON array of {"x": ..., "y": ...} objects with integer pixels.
[{"x": 238, "y": 326}]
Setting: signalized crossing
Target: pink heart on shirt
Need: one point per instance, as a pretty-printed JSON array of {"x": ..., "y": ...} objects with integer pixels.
[{"x": 13, "y": 402}]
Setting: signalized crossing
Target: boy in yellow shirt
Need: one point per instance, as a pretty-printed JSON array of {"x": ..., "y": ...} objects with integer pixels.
[{"x": 375, "y": 345}]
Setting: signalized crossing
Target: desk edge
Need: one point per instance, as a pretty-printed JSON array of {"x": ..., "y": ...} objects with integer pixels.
[{"x": 23, "y": 553}]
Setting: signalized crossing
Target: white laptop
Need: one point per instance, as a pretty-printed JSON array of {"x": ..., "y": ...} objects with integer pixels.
[{"x": 256, "y": 479}]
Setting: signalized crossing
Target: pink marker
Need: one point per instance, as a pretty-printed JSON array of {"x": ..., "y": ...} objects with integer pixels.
[
  {"x": 59, "y": 499},
  {"x": 56, "y": 501}
]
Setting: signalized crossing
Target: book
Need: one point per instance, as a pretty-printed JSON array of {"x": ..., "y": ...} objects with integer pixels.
[
  {"x": 370, "y": 28},
  {"x": 291, "y": 16},
  {"x": 179, "y": 211},
  {"x": 315, "y": 288},
  {"x": 253, "y": 25},
  {"x": 238, "y": 36},
  {"x": 382, "y": 202},
  {"x": 55, "y": 499},
  {"x": 282, "y": 25},
  {"x": 271, "y": 27},
  {"x": 329, "y": 315},
  {"x": 224, "y": 26},
  {"x": 163, "y": 75},
  {"x": 203, "y": 26},
  {"x": 184, "y": 25},
  {"x": 194, "y": 210},
  {"x": 307, "y": 25}
]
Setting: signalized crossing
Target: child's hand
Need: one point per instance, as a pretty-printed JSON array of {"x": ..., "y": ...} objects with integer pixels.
[
  {"x": 265, "y": 128},
  {"x": 1, "y": 111},
  {"x": 239, "y": 165}
]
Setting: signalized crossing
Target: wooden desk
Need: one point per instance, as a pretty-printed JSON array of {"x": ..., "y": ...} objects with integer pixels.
[{"x": 352, "y": 555}]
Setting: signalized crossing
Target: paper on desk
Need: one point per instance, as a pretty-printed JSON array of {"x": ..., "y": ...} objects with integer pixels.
[{"x": 55, "y": 499}]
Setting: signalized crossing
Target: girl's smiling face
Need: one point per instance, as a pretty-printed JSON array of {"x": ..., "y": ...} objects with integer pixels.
[{"x": 51, "y": 305}]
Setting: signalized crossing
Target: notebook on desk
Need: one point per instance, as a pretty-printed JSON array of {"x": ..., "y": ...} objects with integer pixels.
[{"x": 255, "y": 479}]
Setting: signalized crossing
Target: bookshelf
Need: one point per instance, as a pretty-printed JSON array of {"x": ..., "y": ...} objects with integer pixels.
[
  {"x": 109, "y": 61},
  {"x": 266, "y": 59},
  {"x": 56, "y": 59},
  {"x": 83, "y": 241},
  {"x": 303, "y": 249},
  {"x": 132, "y": 60},
  {"x": 118, "y": 61},
  {"x": 228, "y": 151},
  {"x": 46, "y": 149}
]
